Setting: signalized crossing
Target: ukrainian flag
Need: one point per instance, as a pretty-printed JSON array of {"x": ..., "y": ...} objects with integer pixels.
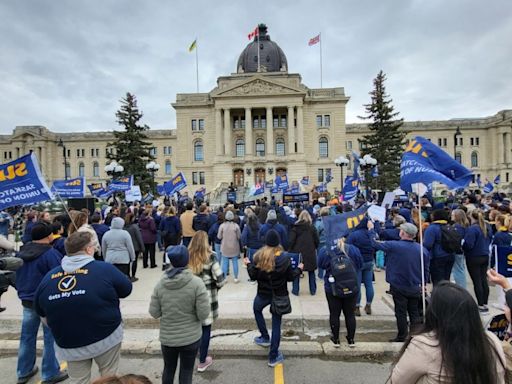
[{"x": 192, "y": 46}]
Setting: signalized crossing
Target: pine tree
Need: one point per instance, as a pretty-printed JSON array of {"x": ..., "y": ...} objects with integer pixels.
[
  {"x": 385, "y": 143},
  {"x": 131, "y": 149}
]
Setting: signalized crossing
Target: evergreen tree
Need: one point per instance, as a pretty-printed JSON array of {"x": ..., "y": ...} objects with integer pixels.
[
  {"x": 131, "y": 149},
  {"x": 385, "y": 143}
]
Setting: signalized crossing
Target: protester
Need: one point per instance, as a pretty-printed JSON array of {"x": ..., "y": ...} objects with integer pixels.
[
  {"x": 29, "y": 223},
  {"x": 272, "y": 269},
  {"x": 230, "y": 236},
  {"x": 9, "y": 263},
  {"x": 250, "y": 235},
  {"x": 404, "y": 275},
  {"x": 201, "y": 221},
  {"x": 186, "y": 220},
  {"x": 452, "y": 346},
  {"x": 99, "y": 227},
  {"x": 57, "y": 238},
  {"x": 117, "y": 247},
  {"x": 476, "y": 250},
  {"x": 203, "y": 263},
  {"x": 279, "y": 228},
  {"x": 304, "y": 240},
  {"x": 180, "y": 301},
  {"x": 502, "y": 237},
  {"x": 148, "y": 229},
  {"x": 346, "y": 302},
  {"x": 319, "y": 226},
  {"x": 212, "y": 236},
  {"x": 138, "y": 243},
  {"x": 170, "y": 231},
  {"x": 460, "y": 222},
  {"x": 39, "y": 257},
  {"x": 86, "y": 326}
]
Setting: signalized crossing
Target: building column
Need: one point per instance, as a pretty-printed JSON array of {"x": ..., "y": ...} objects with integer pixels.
[
  {"x": 501, "y": 148},
  {"x": 227, "y": 132},
  {"x": 248, "y": 132},
  {"x": 291, "y": 130},
  {"x": 300, "y": 130},
  {"x": 218, "y": 132},
  {"x": 269, "y": 149},
  {"x": 506, "y": 148}
]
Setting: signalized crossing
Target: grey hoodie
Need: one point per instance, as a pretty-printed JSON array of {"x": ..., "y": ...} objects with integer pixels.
[{"x": 117, "y": 245}]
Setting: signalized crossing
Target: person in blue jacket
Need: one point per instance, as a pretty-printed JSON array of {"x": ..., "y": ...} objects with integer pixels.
[
  {"x": 201, "y": 221},
  {"x": 338, "y": 304},
  {"x": 361, "y": 239},
  {"x": 460, "y": 222},
  {"x": 279, "y": 228},
  {"x": 441, "y": 261},
  {"x": 404, "y": 275},
  {"x": 250, "y": 236},
  {"x": 477, "y": 240},
  {"x": 502, "y": 237},
  {"x": 212, "y": 236},
  {"x": 83, "y": 294},
  {"x": 38, "y": 257}
]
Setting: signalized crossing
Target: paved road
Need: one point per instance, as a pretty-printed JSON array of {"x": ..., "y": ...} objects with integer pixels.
[{"x": 241, "y": 371}]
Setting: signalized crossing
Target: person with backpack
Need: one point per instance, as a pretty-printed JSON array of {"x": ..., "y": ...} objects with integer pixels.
[
  {"x": 442, "y": 240},
  {"x": 341, "y": 264},
  {"x": 460, "y": 222},
  {"x": 403, "y": 273},
  {"x": 319, "y": 225}
]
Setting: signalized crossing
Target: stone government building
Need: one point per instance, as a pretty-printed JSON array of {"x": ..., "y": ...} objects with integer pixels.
[{"x": 258, "y": 123}]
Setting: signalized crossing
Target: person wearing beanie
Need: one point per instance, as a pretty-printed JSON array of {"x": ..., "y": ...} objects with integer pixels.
[
  {"x": 229, "y": 234},
  {"x": 39, "y": 257},
  {"x": 117, "y": 246},
  {"x": 181, "y": 302},
  {"x": 279, "y": 228},
  {"x": 86, "y": 322},
  {"x": 272, "y": 269}
]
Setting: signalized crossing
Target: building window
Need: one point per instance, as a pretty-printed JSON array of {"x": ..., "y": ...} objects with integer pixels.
[
  {"x": 320, "y": 175},
  {"x": 458, "y": 157},
  {"x": 67, "y": 171},
  {"x": 323, "y": 121},
  {"x": 348, "y": 144},
  {"x": 477, "y": 141},
  {"x": 318, "y": 121},
  {"x": 349, "y": 165},
  {"x": 255, "y": 122},
  {"x": 194, "y": 125},
  {"x": 7, "y": 155},
  {"x": 323, "y": 147},
  {"x": 239, "y": 122},
  {"x": 201, "y": 124},
  {"x": 474, "y": 159},
  {"x": 260, "y": 147},
  {"x": 198, "y": 178},
  {"x": 440, "y": 142},
  {"x": 95, "y": 169},
  {"x": 280, "y": 146},
  {"x": 201, "y": 178},
  {"x": 507, "y": 177},
  {"x": 80, "y": 153},
  {"x": 198, "y": 151},
  {"x": 152, "y": 151},
  {"x": 240, "y": 147},
  {"x": 81, "y": 170},
  {"x": 95, "y": 152},
  {"x": 263, "y": 122},
  {"x": 461, "y": 141},
  {"x": 168, "y": 167},
  {"x": 327, "y": 121},
  {"x": 445, "y": 142},
  {"x": 168, "y": 150}
]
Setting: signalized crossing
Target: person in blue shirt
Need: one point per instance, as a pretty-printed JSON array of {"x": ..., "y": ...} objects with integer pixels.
[
  {"x": 279, "y": 228},
  {"x": 404, "y": 275},
  {"x": 250, "y": 236},
  {"x": 502, "y": 237}
]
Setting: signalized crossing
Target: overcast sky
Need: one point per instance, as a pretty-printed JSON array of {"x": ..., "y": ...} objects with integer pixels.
[{"x": 66, "y": 64}]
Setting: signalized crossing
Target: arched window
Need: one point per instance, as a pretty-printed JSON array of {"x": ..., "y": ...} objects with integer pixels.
[
  {"x": 198, "y": 151},
  {"x": 95, "y": 169},
  {"x": 260, "y": 147},
  {"x": 81, "y": 170},
  {"x": 240, "y": 147},
  {"x": 67, "y": 171},
  {"x": 323, "y": 147},
  {"x": 458, "y": 157},
  {"x": 167, "y": 167},
  {"x": 280, "y": 146},
  {"x": 474, "y": 159}
]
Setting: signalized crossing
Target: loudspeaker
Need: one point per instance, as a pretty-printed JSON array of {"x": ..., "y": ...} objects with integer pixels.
[{"x": 78, "y": 204}]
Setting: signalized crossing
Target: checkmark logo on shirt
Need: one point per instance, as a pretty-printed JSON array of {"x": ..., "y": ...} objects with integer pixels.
[{"x": 67, "y": 283}]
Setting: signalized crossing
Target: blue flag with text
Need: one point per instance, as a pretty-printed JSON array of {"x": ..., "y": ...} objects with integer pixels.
[
  {"x": 123, "y": 183},
  {"x": 176, "y": 184},
  {"x": 338, "y": 226},
  {"x": 73, "y": 188}
]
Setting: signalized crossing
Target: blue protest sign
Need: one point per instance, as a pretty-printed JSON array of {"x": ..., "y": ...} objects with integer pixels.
[
  {"x": 232, "y": 196},
  {"x": 73, "y": 188},
  {"x": 258, "y": 189},
  {"x": 22, "y": 183},
  {"x": 499, "y": 325},
  {"x": 199, "y": 194},
  {"x": 488, "y": 187},
  {"x": 338, "y": 226},
  {"x": 176, "y": 184},
  {"x": 295, "y": 258},
  {"x": 96, "y": 188},
  {"x": 123, "y": 183},
  {"x": 504, "y": 261},
  {"x": 160, "y": 189},
  {"x": 305, "y": 180},
  {"x": 350, "y": 188},
  {"x": 295, "y": 197},
  {"x": 282, "y": 182}
]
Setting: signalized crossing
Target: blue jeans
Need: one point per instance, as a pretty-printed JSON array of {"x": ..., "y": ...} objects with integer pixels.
[
  {"x": 260, "y": 302},
  {"x": 459, "y": 271},
  {"x": 27, "y": 353},
  {"x": 312, "y": 284},
  {"x": 225, "y": 265},
  {"x": 205, "y": 343},
  {"x": 365, "y": 276},
  {"x": 218, "y": 252},
  {"x": 251, "y": 252}
]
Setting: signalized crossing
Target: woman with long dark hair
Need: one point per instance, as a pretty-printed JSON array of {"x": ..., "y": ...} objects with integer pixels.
[
  {"x": 452, "y": 346},
  {"x": 250, "y": 235}
]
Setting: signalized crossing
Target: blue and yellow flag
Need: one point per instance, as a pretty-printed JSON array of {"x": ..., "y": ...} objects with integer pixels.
[
  {"x": 74, "y": 188},
  {"x": 192, "y": 46},
  {"x": 338, "y": 226}
]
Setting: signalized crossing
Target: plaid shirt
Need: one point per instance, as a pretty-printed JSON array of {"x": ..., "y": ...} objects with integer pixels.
[{"x": 213, "y": 279}]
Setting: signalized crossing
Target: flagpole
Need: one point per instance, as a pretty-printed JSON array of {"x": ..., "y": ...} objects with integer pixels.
[
  {"x": 197, "y": 68},
  {"x": 320, "y": 34},
  {"x": 422, "y": 257},
  {"x": 258, "y": 39}
]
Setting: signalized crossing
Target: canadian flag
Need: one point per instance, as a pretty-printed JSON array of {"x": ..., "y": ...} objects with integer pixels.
[
  {"x": 314, "y": 40},
  {"x": 253, "y": 34}
]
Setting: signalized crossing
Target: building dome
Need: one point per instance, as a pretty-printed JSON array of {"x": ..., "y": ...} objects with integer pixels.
[{"x": 272, "y": 58}]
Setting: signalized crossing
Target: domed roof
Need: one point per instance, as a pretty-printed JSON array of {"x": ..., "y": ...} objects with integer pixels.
[{"x": 272, "y": 58}]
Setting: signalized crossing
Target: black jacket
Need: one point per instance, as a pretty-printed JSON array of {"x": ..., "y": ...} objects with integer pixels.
[{"x": 304, "y": 240}]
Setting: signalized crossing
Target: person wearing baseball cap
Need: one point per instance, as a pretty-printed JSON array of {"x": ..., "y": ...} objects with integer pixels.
[{"x": 38, "y": 257}]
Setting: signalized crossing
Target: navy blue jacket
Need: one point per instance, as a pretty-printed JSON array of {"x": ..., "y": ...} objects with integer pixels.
[
  {"x": 475, "y": 243},
  {"x": 361, "y": 239},
  {"x": 212, "y": 233},
  {"x": 100, "y": 230},
  {"x": 324, "y": 262},
  {"x": 58, "y": 244},
  {"x": 38, "y": 259},
  {"x": 403, "y": 262},
  {"x": 91, "y": 311},
  {"x": 279, "y": 228},
  {"x": 432, "y": 240},
  {"x": 251, "y": 239},
  {"x": 201, "y": 222},
  {"x": 460, "y": 229},
  {"x": 27, "y": 234},
  {"x": 171, "y": 224},
  {"x": 502, "y": 238}
]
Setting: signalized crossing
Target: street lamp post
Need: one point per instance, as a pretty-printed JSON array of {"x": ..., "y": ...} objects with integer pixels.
[
  {"x": 152, "y": 168},
  {"x": 64, "y": 152},
  {"x": 367, "y": 162},
  {"x": 457, "y": 134},
  {"x": 113, "y": 169},
  {"x": 341, "y": 162}
]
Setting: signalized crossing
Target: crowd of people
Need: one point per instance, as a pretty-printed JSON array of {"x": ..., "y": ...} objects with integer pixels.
[{"x": 64, "y": 257}]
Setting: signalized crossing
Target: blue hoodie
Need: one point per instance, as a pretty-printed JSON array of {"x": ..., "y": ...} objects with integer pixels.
[
  {"x": 324, "y": 262},
  {"x": 361, "y": 239},
  {"x": 475, "y": 243},
  {"x": 251, "y": 239},
  {"x": 279, "y": 228},
  {"x": 502, "y": 238},
  {"x": 432, "y": 240}
]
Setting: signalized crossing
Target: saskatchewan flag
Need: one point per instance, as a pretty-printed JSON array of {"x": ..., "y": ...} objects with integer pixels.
[{"x": 192, "y": 46}]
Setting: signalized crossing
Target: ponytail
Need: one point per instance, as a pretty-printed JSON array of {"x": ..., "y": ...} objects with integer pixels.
[{"x": 478, "y": 217}]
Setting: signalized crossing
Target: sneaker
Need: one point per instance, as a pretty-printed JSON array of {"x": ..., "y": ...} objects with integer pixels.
[
  {"x": 336, "y": 342},
  {"x": 368, "y": 309},
  {"x": 201, "y": 367},
  {"x": 236, "y": 281},
  {"x": 357, "y": 311},
  {"x": 261, "y": 341},
  {"x": 26, "y": 379},
  {"x": 278, "y": 360},
  {"x": 483, "y": 309},
  {"x": 133, "y": 279},
  {"x": 350, "y": 342},
  {"x": 61, "y": 376}
]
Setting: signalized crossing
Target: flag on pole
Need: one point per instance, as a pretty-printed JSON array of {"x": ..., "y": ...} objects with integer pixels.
[
  {"x": 305, "y": 180},
  {"x": 192, "y": 46},
  {"x": 497, "y": 179},
  {"x": 253, "y": 34},
  {"x": 488, "y": 188},
  {"x": 479, "y": 182},
  {"x": 314, "y": 40}
]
